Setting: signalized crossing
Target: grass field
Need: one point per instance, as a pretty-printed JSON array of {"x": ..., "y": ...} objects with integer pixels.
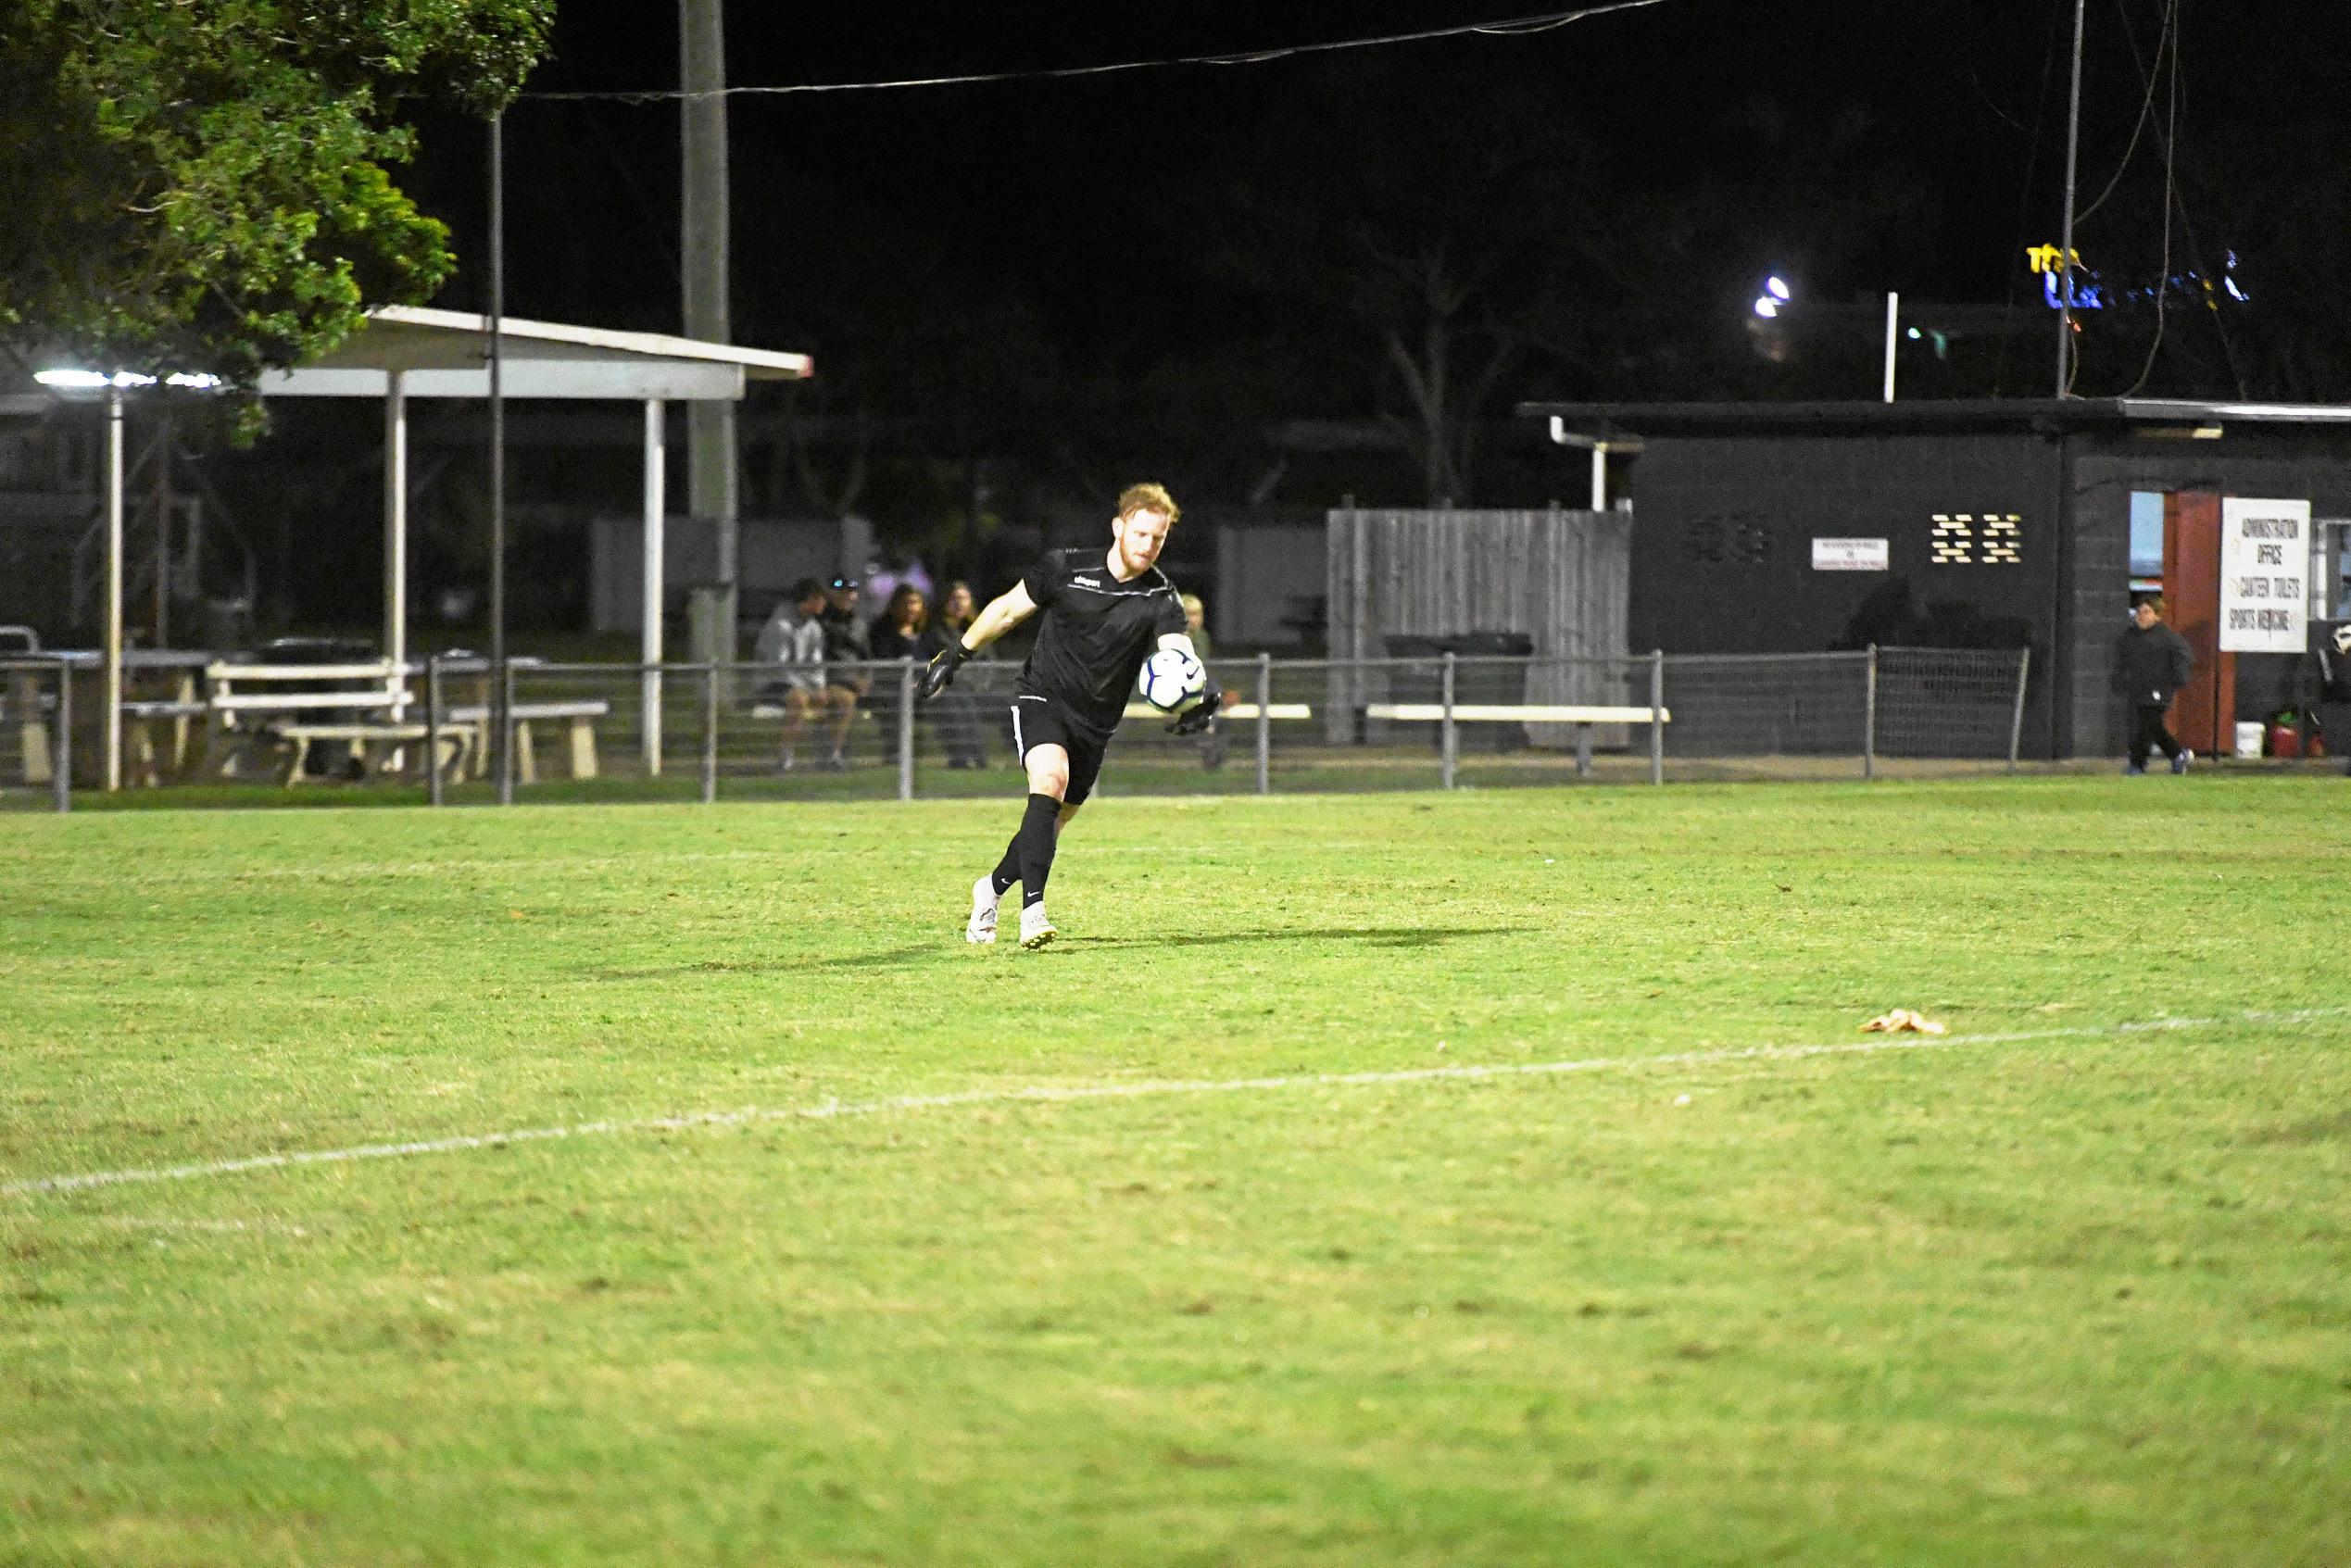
[{"x": 1496, "y": 1178}]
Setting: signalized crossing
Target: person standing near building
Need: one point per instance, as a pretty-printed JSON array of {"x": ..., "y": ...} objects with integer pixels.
[
  {"x": 2152, "y": 662},
  {"x": 1104, "y": 614}
]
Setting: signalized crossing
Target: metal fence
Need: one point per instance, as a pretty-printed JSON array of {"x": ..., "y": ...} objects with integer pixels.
[
  {"x": 36, "y": 732},
  {"x": 617, "y": 732}
]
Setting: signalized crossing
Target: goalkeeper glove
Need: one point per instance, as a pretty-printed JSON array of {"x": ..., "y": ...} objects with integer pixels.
[
  {"x": 941, "y": 674},
  {"x": 1193, "y": 719}
]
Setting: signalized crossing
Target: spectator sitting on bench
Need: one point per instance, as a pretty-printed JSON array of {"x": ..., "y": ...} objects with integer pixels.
[
  {"x": 793, "y": 640},
  {"x": 844, "y": 646},
  {"x": 957, "y": 710},
  {"x": 898, "y": 633},
  {"x": 1211, "y": 739}
]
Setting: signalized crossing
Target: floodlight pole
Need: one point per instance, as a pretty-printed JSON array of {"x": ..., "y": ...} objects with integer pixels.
[
  {"x": 501, "y": 719},
  {"x": 2065, "y": 236},
  {"x": 704, "y": 252}
]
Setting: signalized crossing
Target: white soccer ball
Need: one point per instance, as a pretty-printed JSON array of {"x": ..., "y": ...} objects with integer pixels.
[{"x": 1172, "y": 680}]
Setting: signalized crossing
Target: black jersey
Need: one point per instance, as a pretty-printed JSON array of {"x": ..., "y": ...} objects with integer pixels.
[{"x": 1096, "y": 634}]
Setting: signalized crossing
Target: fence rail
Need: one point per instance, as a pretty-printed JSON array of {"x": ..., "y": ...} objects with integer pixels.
[{"x": 705, "y": 731}]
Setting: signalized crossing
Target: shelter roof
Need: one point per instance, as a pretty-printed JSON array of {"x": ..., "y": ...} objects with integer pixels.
[
  {"x": 2046, "y": 416},
  {"x": 444, "y": 354}
]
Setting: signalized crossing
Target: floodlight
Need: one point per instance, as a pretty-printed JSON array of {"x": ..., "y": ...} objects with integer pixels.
[
  {"x": 1766, "y": 306},
  {"x": 1776, "y": 288}
]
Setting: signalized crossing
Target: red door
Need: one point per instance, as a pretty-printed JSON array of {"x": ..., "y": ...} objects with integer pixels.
[{"x": 2204, "y": 715}]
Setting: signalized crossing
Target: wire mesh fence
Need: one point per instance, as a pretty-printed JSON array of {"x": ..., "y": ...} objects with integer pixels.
[
  {"x": 1950, "y": 703},
  {"x": 619, "y": 732},
  {"x": 36, "y": 731}
]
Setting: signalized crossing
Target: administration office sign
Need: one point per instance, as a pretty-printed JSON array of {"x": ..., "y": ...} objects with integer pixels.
[{"x": 2265, "y": 568}]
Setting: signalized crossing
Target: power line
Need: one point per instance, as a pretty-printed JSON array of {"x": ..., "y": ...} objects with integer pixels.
[
  {"x": 2170, "y": 153},
  {"x": 2146, "y": 104},
  {"x": 2178, "y": 196},
  {"x": 2024, "y": 187},
  {"x": 1508, "y": 28}
]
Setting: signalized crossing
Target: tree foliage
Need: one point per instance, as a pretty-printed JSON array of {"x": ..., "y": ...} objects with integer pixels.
[
  {"x": 203, "y": 185},
  {"x": 1428, "y": 221}
]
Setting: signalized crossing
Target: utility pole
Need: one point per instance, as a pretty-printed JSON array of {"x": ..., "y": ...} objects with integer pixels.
[
  {"x": 2064, "y": 238},
  {"x": 704, "y": 251}
]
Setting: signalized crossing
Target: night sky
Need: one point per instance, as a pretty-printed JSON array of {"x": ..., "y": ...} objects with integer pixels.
[{"x": 1054, "y": 189}]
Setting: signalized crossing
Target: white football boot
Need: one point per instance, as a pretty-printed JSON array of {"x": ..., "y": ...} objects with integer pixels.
[
  {"x": 981, "y": 927},
  {"x": 1037, "y": 927}
]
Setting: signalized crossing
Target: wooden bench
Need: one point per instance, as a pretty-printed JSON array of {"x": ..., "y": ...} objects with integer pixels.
[
  {"x": 1236, "y": 712},
  {"x": 142, "y": 719},
  {"x": 474, "y": 720},
  {"x": 380, "y": 747},
  {"x": 278, "y": 717},
  {"x": 1582, "y": 715}
]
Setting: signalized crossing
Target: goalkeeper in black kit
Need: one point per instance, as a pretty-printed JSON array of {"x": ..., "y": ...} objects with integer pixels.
[{"x": 1104, "y": 614}]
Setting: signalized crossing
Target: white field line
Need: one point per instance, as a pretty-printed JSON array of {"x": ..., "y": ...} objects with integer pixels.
[{"x": 1062, "y": 1094}]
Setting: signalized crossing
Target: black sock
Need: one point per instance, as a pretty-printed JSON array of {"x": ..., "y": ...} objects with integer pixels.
[
  {"x": 1034, "y": 845},
  {"x": 1007, "y": 870}
]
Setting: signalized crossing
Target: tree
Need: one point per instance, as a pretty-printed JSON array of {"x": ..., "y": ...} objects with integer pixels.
[
  {"x": 203, "y": 186},
  {"x": 1428, "y": 223}
]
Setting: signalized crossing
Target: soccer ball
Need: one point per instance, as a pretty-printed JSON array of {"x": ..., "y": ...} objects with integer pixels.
[{"x": 1172, "y": 680}]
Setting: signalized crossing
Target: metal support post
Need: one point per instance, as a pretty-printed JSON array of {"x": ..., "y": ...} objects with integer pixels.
[
  {"x": 650, "y": 632},
  {"x": 1657, "y": 716},
  {"x": 1446, "y": 734},
  {"x": 433, "y": 729},
  {"x": 506, "y": 732},
  {"x": 61, "y": 754},
  {"x": 1894, "y": 318},
  {"x": 710, "y": 733},
  {"x": 1870, "y": 719},
  {"x": 1265, "y": 724},
  {"x": 906, "y": 729},
  {"x": 501, "y": 684},
  {"x": 110, "y": 660},
  {"x": 2016, "y": 719}
]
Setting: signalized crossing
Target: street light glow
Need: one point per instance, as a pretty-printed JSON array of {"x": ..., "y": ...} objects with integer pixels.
[
  {"x": 1777, "y": 288},
  {"x": 1766, "y": 306},
  {"x": 92, "y": 381}
]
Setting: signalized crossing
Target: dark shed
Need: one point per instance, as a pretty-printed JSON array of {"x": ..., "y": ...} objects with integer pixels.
[{"x": 1791, "y": 527}]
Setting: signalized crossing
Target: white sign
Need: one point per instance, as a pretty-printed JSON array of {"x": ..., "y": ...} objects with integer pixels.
[
  {"x": 1850, "y": 555},
  {"x": 2265, "y": 565}
]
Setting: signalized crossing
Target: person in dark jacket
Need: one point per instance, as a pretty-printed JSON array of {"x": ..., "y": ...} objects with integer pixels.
[
  {"x": 897, "y": 632},
  {"x": 2152, "y": 662}
]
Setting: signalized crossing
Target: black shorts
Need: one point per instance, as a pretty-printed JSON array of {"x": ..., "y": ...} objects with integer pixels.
[{"x": 1040, "y": 721}]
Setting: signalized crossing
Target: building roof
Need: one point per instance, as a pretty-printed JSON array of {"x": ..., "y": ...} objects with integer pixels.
[
  {"x": 2044, "y": 415},
  {"x": 444, "y": 354}
]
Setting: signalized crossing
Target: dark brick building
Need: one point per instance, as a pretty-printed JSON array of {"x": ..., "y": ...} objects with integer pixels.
[{"x": 1793, "y": 527}]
